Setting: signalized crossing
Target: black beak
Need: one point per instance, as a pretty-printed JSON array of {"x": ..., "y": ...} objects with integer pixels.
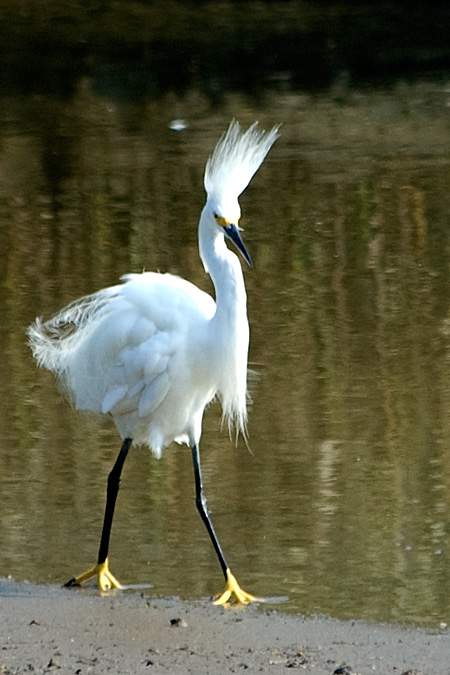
[{"x": 232, "y": 233}]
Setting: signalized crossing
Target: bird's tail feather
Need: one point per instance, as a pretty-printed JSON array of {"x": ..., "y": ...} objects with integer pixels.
[{"x": 51, "y": 340}]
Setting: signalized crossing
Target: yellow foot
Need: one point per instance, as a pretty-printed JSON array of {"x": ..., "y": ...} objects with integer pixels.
[
  {"x": 106, "y": 580},
  {"x": 234, "y": 593}
]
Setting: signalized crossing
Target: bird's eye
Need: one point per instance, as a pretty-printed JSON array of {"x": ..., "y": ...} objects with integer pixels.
[{"x": 215, "y": 216}]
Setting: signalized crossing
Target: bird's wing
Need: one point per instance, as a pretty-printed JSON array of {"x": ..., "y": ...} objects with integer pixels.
[
  {"x": 118, "y": 358},
  {"x": 163, "y": 296}
]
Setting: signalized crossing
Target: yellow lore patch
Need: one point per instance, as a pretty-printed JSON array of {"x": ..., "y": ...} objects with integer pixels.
[{"x": 223, "y": 222}]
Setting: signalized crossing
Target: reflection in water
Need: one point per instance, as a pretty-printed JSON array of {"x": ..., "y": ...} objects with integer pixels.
[{"x": 343, "y": 503}]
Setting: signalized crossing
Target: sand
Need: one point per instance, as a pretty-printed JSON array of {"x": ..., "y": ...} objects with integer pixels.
[{"x": 46, "y": 629}]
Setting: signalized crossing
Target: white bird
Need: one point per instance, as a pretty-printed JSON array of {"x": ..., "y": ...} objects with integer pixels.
[{"x": 155, "y": 350}]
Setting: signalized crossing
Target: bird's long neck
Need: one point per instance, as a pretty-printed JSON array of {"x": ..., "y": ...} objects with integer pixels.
[
  {"x": 225, "y": 270},
  {"x": 228, "y": 328}
]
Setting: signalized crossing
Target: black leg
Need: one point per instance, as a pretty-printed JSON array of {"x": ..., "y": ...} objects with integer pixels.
[
  {"x": 111, "y": 496},
  {"x": 105, "y": 579},
  {"x": 200, "y": 501}
]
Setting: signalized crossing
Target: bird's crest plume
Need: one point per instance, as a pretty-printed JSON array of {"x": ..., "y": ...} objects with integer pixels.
[{"x": 236, "y": 158}]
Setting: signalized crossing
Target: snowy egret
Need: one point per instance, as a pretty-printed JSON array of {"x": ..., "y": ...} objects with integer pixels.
[{"x": 153, "y": 351}]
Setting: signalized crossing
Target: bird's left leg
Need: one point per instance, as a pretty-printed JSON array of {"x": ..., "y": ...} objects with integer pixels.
[
  {"x": 232, "y": 590},
  {"x": 106, "y": 580}
]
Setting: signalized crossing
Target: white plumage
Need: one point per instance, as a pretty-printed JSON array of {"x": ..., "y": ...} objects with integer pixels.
[
  {"x": 155, "y": 350},
  {"x": 236, "y": 159},
  {"x": 123, "y": 351}
]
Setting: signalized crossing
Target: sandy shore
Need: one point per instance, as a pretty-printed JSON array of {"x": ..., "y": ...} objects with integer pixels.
[{"x": 45, "y": 629}]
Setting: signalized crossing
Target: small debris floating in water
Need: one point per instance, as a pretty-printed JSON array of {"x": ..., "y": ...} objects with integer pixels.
[{"x": 178, "y": 125}]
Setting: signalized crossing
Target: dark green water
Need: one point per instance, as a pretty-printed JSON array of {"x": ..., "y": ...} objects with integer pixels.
[{"x": 343, "y": 503}]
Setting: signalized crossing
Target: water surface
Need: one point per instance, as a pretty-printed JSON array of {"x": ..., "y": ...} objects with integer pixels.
[{"x": 342, "y": 502}]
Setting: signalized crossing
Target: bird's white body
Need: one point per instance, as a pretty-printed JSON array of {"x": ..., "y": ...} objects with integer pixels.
[{"x": 155, "y": 350}]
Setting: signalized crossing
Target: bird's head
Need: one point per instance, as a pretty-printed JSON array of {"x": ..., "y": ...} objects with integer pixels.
[
  {"x": 236, "y": 158},
  {"x": 231, "y": 230}
]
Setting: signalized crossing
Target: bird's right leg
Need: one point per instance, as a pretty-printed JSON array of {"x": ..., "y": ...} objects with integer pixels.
[
  {"x": 106, "y": 580},
  {"x": 232, "y": 590}
]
